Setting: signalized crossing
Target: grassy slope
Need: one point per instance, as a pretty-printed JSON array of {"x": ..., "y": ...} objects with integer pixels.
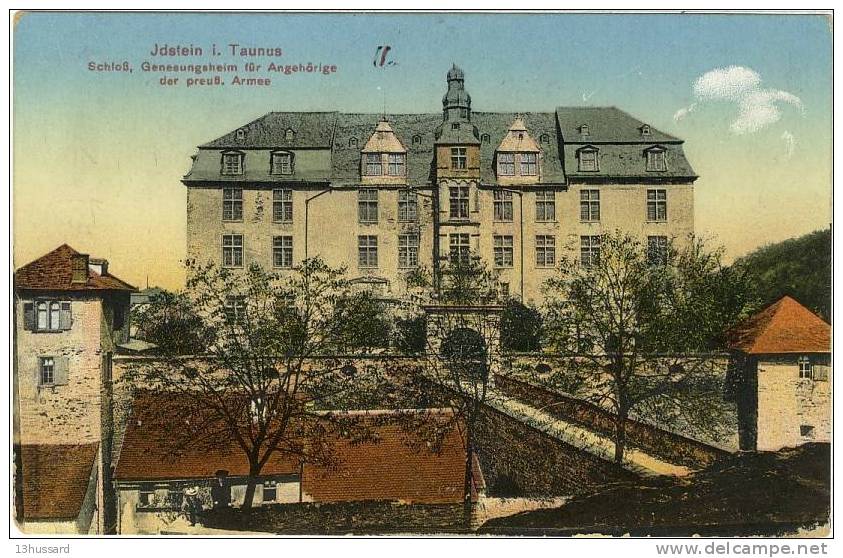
[
  {"x": 745, "y": 494},
  {"x": 800, "y": 267}
]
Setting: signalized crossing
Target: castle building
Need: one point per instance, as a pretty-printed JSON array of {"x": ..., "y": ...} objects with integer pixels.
[
  {"x": 386, "y": 194},
  {"x": 70, "y": 316}
]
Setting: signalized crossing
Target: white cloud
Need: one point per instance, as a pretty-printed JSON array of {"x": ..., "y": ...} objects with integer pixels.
[
  {"x": 789, "y": 143},
  {"x": 757, "y": 107}
]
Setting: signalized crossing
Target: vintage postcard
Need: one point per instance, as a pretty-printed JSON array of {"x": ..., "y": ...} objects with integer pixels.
[{"x": 421, "y": 274}]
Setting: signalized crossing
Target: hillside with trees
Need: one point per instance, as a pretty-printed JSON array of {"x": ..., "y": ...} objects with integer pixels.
[{"x": 800, "y": 267}]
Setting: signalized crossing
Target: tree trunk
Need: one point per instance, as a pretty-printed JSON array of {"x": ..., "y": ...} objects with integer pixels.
[
  {"x": 251, "y": 484},
  {"x": 620, "y": 435},
  {"x": 469, "y": 480}
]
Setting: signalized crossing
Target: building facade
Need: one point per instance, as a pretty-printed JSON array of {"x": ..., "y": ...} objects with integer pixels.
[
  {"x": 385, "y": 195},
  {"x": 782, "y": 361},
  {"x": 70, "y": 316}
]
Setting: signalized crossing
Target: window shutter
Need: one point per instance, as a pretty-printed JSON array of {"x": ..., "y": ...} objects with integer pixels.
[
  {"x": 61, "y": 370},
  {"x": 28, "y": 316},
  {"x": 65, "y": 318}
]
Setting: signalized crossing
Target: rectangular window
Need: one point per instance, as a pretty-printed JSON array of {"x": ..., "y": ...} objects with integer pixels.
[
  {"x": 407, "y": 206},
  {"x": 806, "y": 370},
  {"x": 282, "y": 206},
  {"x": 47, "y": 376},
  {"x": 545, "y": 205},
  {"x": 47, "y": 315},
  {"x": 232, "y": 204},
  {"x": 503, "y": 205},
  {"x": 146, "y": 496},
  {"x": 657, "y": 250},
  {"x": 374, "y": 166},
  {"x": 589, "y": 250},
  {"x": 367, "y": 251},
  {"x": 282, "y": 251},
  {"x": 588, "y": 161},
  {"x": 657, "y": 205},
  {"x": 232, "y": 250},
  {"x": 282, "y": 163},
  {"x": 408, "y": 250},
  {"x": 506, "y": 164},
  {"x": 458, "y": 158},
  {"x": 367, "y": 205},
  {"x": 232, "y": 163},
  {"x": 460, "y": 247},
  {"x": 589, "y": 205},
  {"x": 458, "y": 197},
  {"x": 503, "y": 250},
  {"x": 235, "y": 309},
  {"x": 529, "y": 164},
  {"x": 397, "y": 164},
  {"x": 656, "y": 161},
  {"x": 270, "y": 491},
  {"x": 545, "y": 251}
]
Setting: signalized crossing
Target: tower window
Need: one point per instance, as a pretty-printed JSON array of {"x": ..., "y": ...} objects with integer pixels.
[
  {"x": 458, "y": 158},
  {"x": 455, "y": 125},
  {"x": 458, "y": 202},
  {"x": 463, "y": 113}
]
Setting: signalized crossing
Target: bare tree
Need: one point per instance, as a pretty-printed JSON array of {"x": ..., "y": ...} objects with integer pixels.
[
  {"x": 267, "y": 377},
  {"x": 641, "y": 327}
]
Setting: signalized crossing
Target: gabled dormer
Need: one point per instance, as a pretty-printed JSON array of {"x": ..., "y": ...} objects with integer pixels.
[
  {"x": 383, "y": 160},
  {"x": 518, "y": 157}
]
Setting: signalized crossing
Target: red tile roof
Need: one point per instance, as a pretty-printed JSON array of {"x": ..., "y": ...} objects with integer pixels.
[
  {"x": 783, "y": 327},
  {"x": 55, "y": 480},
  {"x": 54, "y": 271},
  {"x": 398, "y": 466}
]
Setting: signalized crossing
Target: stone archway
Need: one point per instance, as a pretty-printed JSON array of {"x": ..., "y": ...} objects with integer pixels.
[{"x": 468, "y": 333}]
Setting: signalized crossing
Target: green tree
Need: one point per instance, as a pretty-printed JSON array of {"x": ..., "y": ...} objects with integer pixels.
[
  {"x": 642, "y": 329},
  {"x": 799, "y": 267},
  {"x": 521, "y": 327},
  {"x": 267, "y": 371},
  {"x": 169, "y": 321}
]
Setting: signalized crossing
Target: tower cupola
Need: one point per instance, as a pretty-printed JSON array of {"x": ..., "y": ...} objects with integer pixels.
[{"x": 456, "y": 103}]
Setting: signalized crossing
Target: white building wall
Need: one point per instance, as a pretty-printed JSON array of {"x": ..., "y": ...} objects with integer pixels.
[{"x": 787, "y": 402}]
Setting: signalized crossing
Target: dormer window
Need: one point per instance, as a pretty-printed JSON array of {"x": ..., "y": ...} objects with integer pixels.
[
  {"x": 485, "y": 138},
  {"x": 417, "y": 140},
  {"x": 584, "y": 130},
  {"x": 529, "y": 164},
  {"x": 645, "y": 130},
  {"x": 458, "y": 158},
  {"x": 588, "y": 159},
  {"x": 373, "y": 164},
  {"x": 455, "y": 125},
  {"x": 241, "y": 133},
  {"x": 656, "y": 159},
  {"x": 397, "y": 164},
  {"x": 282, "y": 163},
  {"x": 506, "y": 164},
  {"x": 289, "y": 135},
  {"x": 544, "y": 138},
  {"x": 352, "y": 143},
  {"x": 232, "y": 163}
]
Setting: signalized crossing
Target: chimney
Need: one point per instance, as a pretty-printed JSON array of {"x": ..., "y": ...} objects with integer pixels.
[
  {"x": 98, "y": 265},
  {"x": 80, "y": 268}
]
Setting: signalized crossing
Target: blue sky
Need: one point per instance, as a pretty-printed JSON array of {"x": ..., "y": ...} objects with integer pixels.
[{"x": 117, "y": 143}]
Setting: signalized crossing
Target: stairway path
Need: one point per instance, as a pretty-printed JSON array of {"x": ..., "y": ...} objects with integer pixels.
[{"x": 635, "y": 460}]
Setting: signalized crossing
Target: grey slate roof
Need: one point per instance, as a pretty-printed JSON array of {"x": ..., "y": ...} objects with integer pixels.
[
  {"x": 312, "y": 129},
  {"x": 615, "y": 133},
  {"x": 605, "y": 124}
]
